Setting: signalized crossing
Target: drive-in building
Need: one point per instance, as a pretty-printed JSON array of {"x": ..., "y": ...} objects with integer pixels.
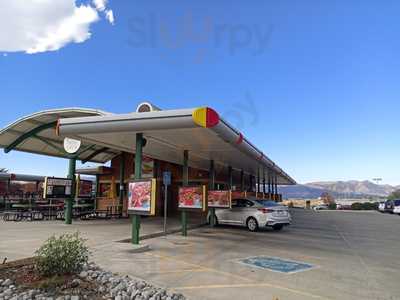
[{"x": 195, "y": 145}]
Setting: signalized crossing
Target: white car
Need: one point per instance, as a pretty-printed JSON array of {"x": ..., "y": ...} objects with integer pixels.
[
  {"x": 254, "y": 213},
  {"x": 381, "y": 206},
  {"x": 320, "y": 207},
  {"x": 396, "y": 207}
]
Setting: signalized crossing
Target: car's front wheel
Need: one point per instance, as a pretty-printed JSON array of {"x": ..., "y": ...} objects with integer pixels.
[
  {"x": 252, "y": 224},
  {"x": 277, "y": 227}
]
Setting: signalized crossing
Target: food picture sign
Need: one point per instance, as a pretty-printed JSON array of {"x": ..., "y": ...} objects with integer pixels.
[
  {"x": 219, "y": 199},
  {"x": 84, "y": 188},
  {"x": 142, "y": 197},
  {"x": 192, "y": 197}
]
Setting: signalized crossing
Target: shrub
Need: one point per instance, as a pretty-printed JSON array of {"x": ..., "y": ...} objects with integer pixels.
[
  {"x": 356, "y": 206},
  {"x": 332, "y": 205},
  {"x": 364, "y": 206},
  {"x": 62, "y": 255}
]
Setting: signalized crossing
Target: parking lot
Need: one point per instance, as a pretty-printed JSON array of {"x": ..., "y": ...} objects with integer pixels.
[{"x": 354, "y": 256}]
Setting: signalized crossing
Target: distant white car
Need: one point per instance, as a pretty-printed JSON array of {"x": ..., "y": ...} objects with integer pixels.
[
  {"x": 381, "y": 206},
  {"x": 396, "y": 207},
  {"x": 320, "y": 207}
]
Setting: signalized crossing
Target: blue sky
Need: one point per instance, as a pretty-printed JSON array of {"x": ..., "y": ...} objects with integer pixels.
[{"x": 315, "y": 84}]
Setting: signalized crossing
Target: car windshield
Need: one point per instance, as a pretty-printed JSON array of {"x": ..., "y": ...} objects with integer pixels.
[
  {"x": 267, "y": 203},
  {"x": 397, "y": 202}
]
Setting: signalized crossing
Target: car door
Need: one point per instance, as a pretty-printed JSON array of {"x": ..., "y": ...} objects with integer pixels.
[
  {"x": 238, "y": 213},
  {"x": 232, "y": 215},
  {"x": 225, "y": 215}
]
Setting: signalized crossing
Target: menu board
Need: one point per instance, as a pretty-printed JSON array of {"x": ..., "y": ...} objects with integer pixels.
[
  {"x": 142, "y": 197},
  {"x": 192, "y": 197},
  {"x": 57, "y": 187},
  {"x": 84, "y": 188},
  {"x": 219, "y": 199}
]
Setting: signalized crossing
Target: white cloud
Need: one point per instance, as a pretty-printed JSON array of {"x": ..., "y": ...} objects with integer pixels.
[
  {"x": 100, "y": 4},
  {"x": 46, "y": 25},
  {"x": 110, "y": 16}
]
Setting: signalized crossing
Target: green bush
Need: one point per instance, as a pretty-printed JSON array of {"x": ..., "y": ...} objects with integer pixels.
[
  {"x": 332, "y": 206},
  {"x": 356, "y": 206},
  {"x": 364, "y": 206},
  {"x": 65, "y": 254}
]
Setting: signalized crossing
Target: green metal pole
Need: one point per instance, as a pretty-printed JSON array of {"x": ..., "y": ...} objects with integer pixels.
[
  {"x": 276, "y": 188},
  {"x": 185, "y": 182},
  {"x": 96, "y": 193},
  {"x": 121, "y": 181},
  {"x": 211, "y": 186},
  {"x": 230, "y": 175},
  {"x": 138, "y": 175},
  {"x": 242, "y": 180},
  {"x": 71, "y": 175},
  {"x": 269, "y": 185},
  {"x": 7, "y": 201},
  {"x": 264, "y": 181}
]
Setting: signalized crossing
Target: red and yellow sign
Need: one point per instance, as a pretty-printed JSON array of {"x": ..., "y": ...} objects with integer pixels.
[
  {"x": 84, "y": 188},
  {"x": 142, "y": 197},
  {"x": 219, "y": 199},
  {"x": 192, "y": 197}
]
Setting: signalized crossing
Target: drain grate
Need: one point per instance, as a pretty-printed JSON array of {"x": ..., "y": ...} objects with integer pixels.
[{"x": 277, "y": 264}]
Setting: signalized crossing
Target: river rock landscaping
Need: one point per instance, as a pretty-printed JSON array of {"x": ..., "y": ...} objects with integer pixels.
[{"x": 20, "y": 281}]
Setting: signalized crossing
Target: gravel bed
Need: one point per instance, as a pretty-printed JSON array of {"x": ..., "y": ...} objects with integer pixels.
[{"x": 21, "y": 283}]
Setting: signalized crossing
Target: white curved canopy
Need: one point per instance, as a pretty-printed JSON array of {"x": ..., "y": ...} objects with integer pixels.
[{"x": 36, "y": 133}]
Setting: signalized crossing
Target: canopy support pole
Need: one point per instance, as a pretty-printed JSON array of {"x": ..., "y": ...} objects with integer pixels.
[
  {"x": 276, "y": 187},
  {"x": 138, "y": 175},
  {"x": 96, "y": 193},
  {"x": 230, "y": 176},
  {"x": 68, "y": 206},
  {"x": 185, "y": 182},
  {"x": 269, "y": 185},
  {"x": 242, "y": 180},
  {"x": 264, "y": 182},
  {"x": 121, "y": 180},
  {"x": 211, "y": 186}
]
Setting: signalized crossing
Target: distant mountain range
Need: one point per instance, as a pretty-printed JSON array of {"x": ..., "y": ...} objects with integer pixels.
[{"x": 339, "y": 189}]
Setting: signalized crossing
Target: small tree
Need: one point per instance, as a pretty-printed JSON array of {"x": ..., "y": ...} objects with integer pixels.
[
  {"x": 394, "y": 195},
  {"x": 65, "y": 254},
  {"x": 327, "y": 198}
]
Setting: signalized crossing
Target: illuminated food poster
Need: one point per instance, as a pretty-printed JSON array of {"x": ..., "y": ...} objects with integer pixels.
[
  {"x": 192, "y": 197},
  {"x": 84, "y": 188},
  {"x": 141, "y": 197},
  {"x": 219, "y": 199}
]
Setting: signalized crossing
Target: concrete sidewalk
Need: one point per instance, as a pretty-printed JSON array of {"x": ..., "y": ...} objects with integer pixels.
[{"x": 21, "y": 239}]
